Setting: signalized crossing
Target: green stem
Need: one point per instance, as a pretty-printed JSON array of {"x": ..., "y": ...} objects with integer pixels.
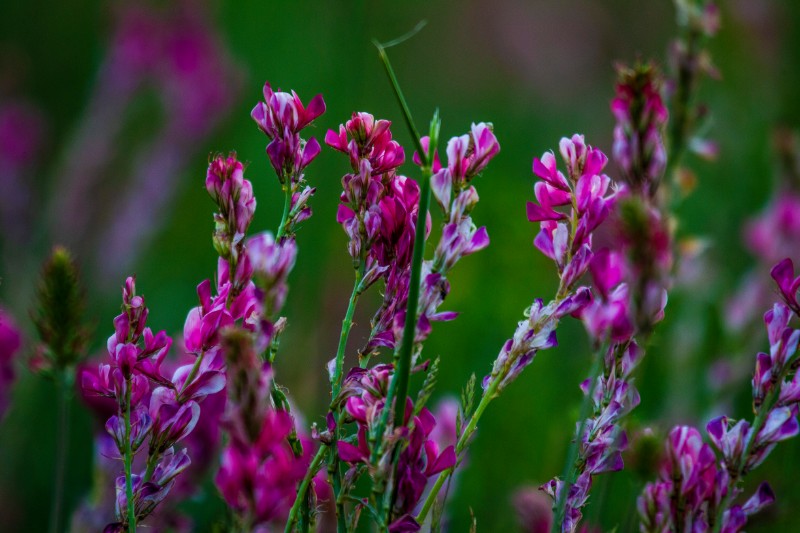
[
  {"x": 463, "y": 441},
  {"x": 303, "y": 489},
  {"x": 129, "y": 459},
  {"x": 287, "y": 203},
  {"x": 412, "y": 128},
  {"x": 570, "y": 470},
  {"x": 336, "y": 483},
  {"x": 398, "y": 386},
  {"x": 336, "y": 385},
  {"x": 403, "y": 368},
  {"x": 347, "y": 325},
  {"x": 152, "y": 462},
  {"x": 62, "y": 443}
]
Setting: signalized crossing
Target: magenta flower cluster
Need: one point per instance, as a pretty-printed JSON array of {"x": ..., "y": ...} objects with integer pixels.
[
  {"x": 570, "y": 208},
  {"x": 699, "y": 482},
  {"x": 364, "y": 396},
  {"x": 132, "y": 378},
  {"x": 383, "y": 453}
]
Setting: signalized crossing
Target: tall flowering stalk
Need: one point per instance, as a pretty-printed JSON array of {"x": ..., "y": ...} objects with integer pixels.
[
  {"x": 378, "y": 213},
  {"x": 135, "y": 357},
  {"x": 566, "y": 238},
  {"x": 700, "y": 483},
  {"x": 264, "y": 458},
  {"x": 630, "y": 283}
]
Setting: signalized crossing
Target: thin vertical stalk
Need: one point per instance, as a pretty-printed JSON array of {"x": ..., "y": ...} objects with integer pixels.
[
  {"x": 403, "y": 363},
  {"x": 287, "y": 203},
  {"x": 347, "y": 325},
  {"x": 303, "y": 489},
  {"x": 128, "y": 459},
  {"x": 62, "y": 444},
  {"x": 398, "y": 386},
  {"x": 570, "y": 470}
]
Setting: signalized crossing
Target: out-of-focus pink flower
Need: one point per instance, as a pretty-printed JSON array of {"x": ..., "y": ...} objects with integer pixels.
[{"x": 10, "y": 342}]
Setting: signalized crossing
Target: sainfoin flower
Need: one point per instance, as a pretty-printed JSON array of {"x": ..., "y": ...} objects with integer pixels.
[
  {"x": 640, "y": 116},
  {"x": 259, "y": 469},
  {"x": 136, "y": 355},
  {"x": 364, "y": 397},
  {"x": 282, "y": 116},
  {"x": 708, "y": 497},
  {"x": 570, "y": 207}
]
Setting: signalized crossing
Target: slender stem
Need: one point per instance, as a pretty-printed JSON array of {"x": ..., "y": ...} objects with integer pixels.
[
  {"x": 152, "y": 462},
  {"x": 412, "y": 128},
  {"x": 398, "y": 386},
  {"x": 303, "y": 488},
  {"x": 570, "y": 470},
  {"x": 347, "y": 325},
  {"x": 463, "y": 441},
  {"x": 305, "y": 515},
  {"x": 62, "y": 443},
  {"x": 128, "y": 459},
  {"x": 336, "y": 482},
  {"x": 336, "y": 385},
  {"x": 403, "y": 368},
  {"x": 287, "y": 203}
]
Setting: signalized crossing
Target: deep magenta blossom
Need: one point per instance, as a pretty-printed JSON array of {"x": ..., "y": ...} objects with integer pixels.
[
  {"x": 136, "y": 356},
  {"x": 281, "y": 116},
  {"x": 231, "y": 192},
  {"x": 364, "y": 397},
  {"x": 365, "y": 139},
  {"x": 698, "y": 488},
  {"x": 258, "y": 479},
  {"x": 259, "y": 470}
]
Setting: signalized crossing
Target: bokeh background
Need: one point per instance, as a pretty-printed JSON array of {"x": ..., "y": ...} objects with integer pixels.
[{"x": 109, "y": 111}]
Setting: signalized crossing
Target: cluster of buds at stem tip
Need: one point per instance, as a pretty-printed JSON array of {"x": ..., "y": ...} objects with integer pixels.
[
  {"x": 570, "y": 208},
  {"x": 282, "y": 116},
  {"x": 234, "y": 196},
  {"x": 374, "y": 211},
  {"x": 698, "y": 487}
]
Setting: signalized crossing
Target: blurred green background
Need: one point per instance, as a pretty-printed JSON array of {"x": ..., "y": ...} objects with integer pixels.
[{"x": 538, "y": 70}]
